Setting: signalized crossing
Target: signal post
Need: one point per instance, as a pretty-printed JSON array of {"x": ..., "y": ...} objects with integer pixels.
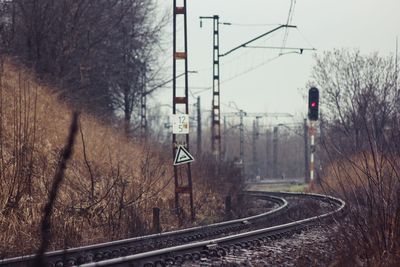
[{"x": 313, "y": 107}]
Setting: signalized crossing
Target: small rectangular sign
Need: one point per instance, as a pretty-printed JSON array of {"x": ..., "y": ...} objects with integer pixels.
[{"x": 180, "y": 124}]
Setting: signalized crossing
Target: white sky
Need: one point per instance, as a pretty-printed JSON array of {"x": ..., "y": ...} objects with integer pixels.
[{"x": 370, "y": 25}]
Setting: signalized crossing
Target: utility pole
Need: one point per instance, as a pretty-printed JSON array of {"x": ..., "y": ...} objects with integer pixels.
[
  {"x": 267, "y": 153},
  {"x": 216, "y": 110},
  {"x": 255, "y": 138},
  {"x": 275, "y": 153},
  {"x": 306, "y": 153},
  {"x": 241, "y": 150},
  {"x": 216, "y": 102},
  {"x": 182, "y": 173},
  {"x": 275, "y": 139},
  {"x": 199, "y": 141},
  {"x": 254, "y": 149},
  {"x": 257, "y": 116},
  {"x": 225, "y": 136}
]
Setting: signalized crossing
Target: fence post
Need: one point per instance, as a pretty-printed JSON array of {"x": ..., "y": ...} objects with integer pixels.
[{"x": 156, "y": 220}]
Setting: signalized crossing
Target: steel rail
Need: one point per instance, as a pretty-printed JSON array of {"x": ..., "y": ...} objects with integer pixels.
[
  {"x": 89, "y": 253},
  {"x": 189, "y": 251}
]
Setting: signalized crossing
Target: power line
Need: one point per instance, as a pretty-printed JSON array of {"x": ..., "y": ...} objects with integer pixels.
[
  {"x": 255, "y": 24},
  {"x": 289, "y": 20},
  {"x": 282, "y": 48},
  {"x": 304, "y": 38},
  {"x": 204, "y": 89},
  {"x": 251, "y": 69}
]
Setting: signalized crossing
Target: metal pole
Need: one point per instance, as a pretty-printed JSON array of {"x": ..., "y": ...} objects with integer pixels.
[
  {"x": 255, "y": 156},
  {"x": 306, "y": 153},
  {"x": 241, "y": 128},
  {"x": 216, "y": 126},
  {"x": 257, "y": 133},
  {"x": 189, "y": 172},
  {"x": 228, "y": 207},
  {"x": 216, "y": 102},
  {"x": 225, "y": 136},
  {"x": 156, "y": 220},
  {"x": 267, "y": 153},
  {"x": 275, "y": 153},
  {"x": 312, "y": 150},
  {"x": 182, "y": 173},
  {"x": 177, "y": 207},
  {"x": 199, "y": 141}
]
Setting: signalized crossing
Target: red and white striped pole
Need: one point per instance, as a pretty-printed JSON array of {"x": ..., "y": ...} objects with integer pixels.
[
  {"x": 313, "y": 105},
  {"x": 312, "y": 151}
]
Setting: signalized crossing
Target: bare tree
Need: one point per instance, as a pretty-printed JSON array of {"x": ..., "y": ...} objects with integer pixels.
[
  {"x": 357, "y": 90},
  {"x": 360, "y": 159},
  {"x": 96, "y": 52}
]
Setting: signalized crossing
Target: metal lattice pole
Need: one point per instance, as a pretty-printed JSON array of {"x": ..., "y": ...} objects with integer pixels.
[
  {"x": 216, "y": 102},
  {"x": 216, "y": 92},
  {"x": 182, "y": 173}
]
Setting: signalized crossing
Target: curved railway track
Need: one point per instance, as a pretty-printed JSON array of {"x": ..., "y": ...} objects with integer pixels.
[
  {"x": 175, "y": 256},
  {"x": 121, "y": 248},
  {"x": 213, "y": 240}
]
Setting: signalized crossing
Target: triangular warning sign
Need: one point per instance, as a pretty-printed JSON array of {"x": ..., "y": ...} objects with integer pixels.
[{"x": 182, "y": 156}]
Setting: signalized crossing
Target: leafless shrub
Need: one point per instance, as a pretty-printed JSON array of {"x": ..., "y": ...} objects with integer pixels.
[
  {"x": 111, "y": 184},
  {"x": 360, "y": 156}
]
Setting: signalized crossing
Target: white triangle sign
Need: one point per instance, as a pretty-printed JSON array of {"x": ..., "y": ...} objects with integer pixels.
[{"x": 182, "y": 156}]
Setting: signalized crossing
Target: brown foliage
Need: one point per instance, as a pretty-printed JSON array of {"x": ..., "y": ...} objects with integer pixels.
[
  {"x": 360, "y": 155},
  {"x": 111, "y": 184}
]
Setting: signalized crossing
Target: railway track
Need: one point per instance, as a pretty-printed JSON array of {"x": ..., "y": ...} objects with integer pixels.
[
  {"x": 175, "y": 256},
  {"x": 140, "y": 245}
]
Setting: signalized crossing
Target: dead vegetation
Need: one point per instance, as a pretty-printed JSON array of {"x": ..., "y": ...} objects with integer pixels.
[
  {"x": 111, "y": 183},
  {"x": 360, "y": 154}
]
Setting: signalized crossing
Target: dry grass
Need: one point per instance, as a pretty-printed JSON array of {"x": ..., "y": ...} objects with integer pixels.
[
  {"x": 111, "y": 183},
  {"x": 370, "y": 185}
]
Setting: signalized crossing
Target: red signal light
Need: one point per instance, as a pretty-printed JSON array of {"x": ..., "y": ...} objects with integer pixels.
[{"x": 313, "y": 104}]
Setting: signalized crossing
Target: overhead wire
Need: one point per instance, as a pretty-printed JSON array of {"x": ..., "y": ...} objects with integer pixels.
[
  {"x": 251, "y": 69},
  {"x": 201, "y": 89},
  {"x": 254, "y": 24},
  {"x": 304, "y": 38},
  {"x": 239, "y": 74},
  {"x": 289, "y": 21}
]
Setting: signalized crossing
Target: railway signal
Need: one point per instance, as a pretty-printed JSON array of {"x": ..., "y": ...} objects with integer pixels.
[{"x": 313, "y": 104}]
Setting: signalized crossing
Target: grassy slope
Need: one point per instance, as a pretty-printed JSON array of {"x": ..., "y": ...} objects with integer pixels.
[{"x": 111, "y": 183}]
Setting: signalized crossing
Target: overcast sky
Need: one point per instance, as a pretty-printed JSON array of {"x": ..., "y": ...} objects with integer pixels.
[{"x": 255, "y": 79}]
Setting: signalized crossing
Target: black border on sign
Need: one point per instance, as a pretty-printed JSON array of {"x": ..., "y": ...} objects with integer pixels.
[{"x": 186, "y": 152}]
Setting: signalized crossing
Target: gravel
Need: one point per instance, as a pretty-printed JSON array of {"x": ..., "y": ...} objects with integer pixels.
[{"x": 309, "y": 248}]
